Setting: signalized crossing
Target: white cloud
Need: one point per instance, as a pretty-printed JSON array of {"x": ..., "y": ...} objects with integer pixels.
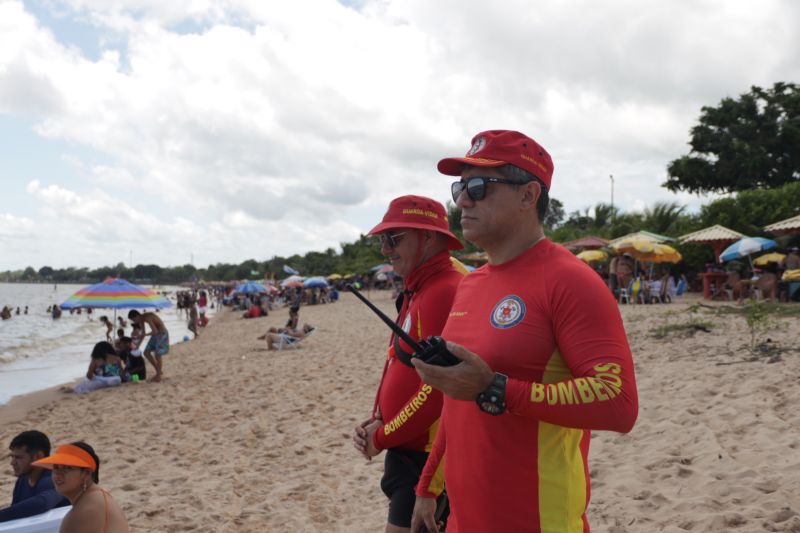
[
  {"x": 278, "y": 123},
  {"x": 15, "y": 227}
]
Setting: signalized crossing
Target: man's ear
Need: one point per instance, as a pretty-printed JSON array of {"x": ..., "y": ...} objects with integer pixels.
[{"x": 531, "y": 193}]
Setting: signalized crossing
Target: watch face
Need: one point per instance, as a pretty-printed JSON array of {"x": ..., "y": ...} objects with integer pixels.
[{"x": 491, "y": 408}]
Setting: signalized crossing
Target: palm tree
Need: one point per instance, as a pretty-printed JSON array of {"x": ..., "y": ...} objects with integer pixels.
[{"x": 663, "y": 217}]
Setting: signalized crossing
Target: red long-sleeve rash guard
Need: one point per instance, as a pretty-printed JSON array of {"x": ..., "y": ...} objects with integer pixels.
[
  {"x": 547, "y": 321},
  {"x": 410, "y": 409}
]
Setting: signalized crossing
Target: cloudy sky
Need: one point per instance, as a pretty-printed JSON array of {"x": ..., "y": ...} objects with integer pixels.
[{"x": 227, "y": 130}]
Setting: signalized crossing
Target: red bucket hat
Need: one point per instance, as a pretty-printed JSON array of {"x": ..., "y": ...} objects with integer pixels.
[
  {"x": 417, "y": 212},
  {"x": 495, "y": 148}
]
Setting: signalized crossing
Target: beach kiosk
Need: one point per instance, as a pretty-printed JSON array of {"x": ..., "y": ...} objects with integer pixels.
[{"x": 718, "y": 237}]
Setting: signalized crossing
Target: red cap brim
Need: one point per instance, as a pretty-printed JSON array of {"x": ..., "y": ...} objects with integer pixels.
[{"x": 452, "y": 166}]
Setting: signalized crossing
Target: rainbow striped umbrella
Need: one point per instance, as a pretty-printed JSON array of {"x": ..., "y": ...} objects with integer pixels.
[{"x": 116, "y": 294}]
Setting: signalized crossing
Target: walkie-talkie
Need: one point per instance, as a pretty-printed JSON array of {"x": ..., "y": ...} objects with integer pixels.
[{"x": 432, "y": 350}]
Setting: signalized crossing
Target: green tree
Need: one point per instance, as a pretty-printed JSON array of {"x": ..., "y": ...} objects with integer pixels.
[
  {"x": 555, "y": 214},
  {"x": 663, "y": 217},
  {"x": 29, "y": 274},
  {"x": 746, "y": 143},
  {"x": 749, "y": 211}
]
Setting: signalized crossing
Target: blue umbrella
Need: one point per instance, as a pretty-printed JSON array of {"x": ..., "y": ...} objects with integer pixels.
[
  {"x": 315, "y": 283},
  {"x": 251, "y": 286},
  {"x": 116, "y": 294},
  {"x": 746, "y": 246}
]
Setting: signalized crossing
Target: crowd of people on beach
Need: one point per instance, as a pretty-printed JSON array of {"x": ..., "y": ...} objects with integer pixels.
[
  {"x": 122, "y": 359},
  {"x": 5, "y": 313},
  {"x": 772, "y": 281}
]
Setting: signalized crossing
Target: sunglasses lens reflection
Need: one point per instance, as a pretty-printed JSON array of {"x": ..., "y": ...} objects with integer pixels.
[{"x": 476, "y": 189}]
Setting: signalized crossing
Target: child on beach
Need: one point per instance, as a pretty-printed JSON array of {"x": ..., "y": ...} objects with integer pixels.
[{"x": 109, "y": 327}]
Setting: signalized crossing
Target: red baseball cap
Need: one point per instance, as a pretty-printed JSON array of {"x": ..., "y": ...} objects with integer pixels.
[
  {"x": 417, "y": 212},
  {"x": 495, "y": 148}
]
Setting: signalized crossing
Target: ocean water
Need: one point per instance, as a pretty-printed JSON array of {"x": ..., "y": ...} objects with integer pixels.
[{"x": 37, "y": 352}]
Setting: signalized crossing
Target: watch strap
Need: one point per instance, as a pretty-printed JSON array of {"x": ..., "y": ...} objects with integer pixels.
[{"x": 492, "y": 399}]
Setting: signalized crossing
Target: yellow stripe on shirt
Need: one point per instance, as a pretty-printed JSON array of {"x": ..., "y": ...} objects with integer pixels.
[{"x": 562, "y": 478}]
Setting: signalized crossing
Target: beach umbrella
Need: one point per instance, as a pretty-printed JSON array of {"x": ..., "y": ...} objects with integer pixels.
[
  {"x": 315, "y": 283},
  {"x": 745, "y": 247},
  {"x": 662, "y": 253},
  {"x": 773, "y": 257},
  {"x": 383, "y": 267},
  {"x": 591, "y": 256},
  {"x": 634, "y": 245},
  {"x": 116, "y": 294},
  {"x": 335, "y": 277},
  {"x": 293, "y": 281},
  {"x": 250, "y": 287}
]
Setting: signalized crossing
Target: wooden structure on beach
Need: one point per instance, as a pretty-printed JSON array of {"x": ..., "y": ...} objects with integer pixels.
[{"x": 718, "y": 237}]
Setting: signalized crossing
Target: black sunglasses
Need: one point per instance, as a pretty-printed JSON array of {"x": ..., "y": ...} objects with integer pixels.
[
  {"x": 390, "y": 239},
  {"x": 476, "y": 187}
]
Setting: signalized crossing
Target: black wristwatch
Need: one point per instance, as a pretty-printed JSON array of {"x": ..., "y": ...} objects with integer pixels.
[{"x": 492, "y": 400}]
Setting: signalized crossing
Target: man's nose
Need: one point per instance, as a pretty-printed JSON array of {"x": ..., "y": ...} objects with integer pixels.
[{"x": 464, "y": 199}]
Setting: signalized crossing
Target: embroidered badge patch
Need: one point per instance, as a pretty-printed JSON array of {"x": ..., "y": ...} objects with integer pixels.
[
  {"x": 508, "y": 312},
  {"x": 477, "y": 146}
]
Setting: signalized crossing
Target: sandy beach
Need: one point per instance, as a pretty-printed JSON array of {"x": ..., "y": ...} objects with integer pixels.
[{"x": 237, "y": 438}]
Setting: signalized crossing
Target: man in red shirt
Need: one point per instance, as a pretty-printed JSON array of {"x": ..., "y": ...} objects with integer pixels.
[
  {"x": 544, "y": 357},
  {"x": 416, "y": 238}
]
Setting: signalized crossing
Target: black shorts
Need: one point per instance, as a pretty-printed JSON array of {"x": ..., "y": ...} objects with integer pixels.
[{"x": 401, "y": 472}]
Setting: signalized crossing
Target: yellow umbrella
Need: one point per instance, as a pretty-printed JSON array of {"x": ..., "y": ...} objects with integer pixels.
[
  {"x": 649, "y": 251},
  {"x": 636, "y": 245},
  {"x": 773, "y": 257},
  {"x": 335, "y": 276},
  {"x": 663, "y": 253},
  {"x": 592, "y": 255}
]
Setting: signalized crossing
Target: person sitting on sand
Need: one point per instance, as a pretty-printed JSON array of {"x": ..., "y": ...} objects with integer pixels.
[
  {"x": 5, "y": 314},
  {"x": 55, "y": 312},
  {"x": 294, "y": 317},
  {"x": 109, "y": 326},
  {"x": 76, "y": 473},
  {"x": 34, "y": 492},
  {"x": 253, "y": 312},
  {"x": 134, "y": 363},
  {"x": 105, "y": 369},
  {"x": 158, "y": 345},
  {"x": 277, "y": 340}
]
